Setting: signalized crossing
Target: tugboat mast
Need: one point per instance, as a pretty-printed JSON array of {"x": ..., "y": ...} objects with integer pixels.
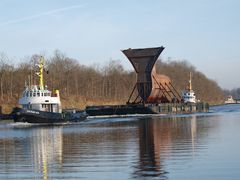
[
  {"x": 40, "y": 73},
  {"x": 188, "y": 95},
  {"x": 190, "y": 81}
]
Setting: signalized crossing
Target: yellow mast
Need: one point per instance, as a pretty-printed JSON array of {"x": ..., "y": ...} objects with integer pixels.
[
  {"x": 190, "y": 81},
  {"x": 40, "y": 72}
]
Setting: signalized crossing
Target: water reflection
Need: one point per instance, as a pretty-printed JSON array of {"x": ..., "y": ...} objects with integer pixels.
[
  {"x": 166, "y": 139},
  {"x": 149, "y": 150},
  {"x": 46, "y": 146},
  {"x": 31, "y": 152},
  {"x": 139, "y": 148}
]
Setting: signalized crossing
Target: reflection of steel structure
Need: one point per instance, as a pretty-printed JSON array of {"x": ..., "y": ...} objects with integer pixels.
[
  {"x": 159, "y": 140},
  {"x": 151, "y": 87}
]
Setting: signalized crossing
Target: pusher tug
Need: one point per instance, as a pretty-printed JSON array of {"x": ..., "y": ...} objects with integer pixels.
[
  {"x": 230, "y": 100},
  {"x": 188, "y": 96},
  {"x": 39, "y": 105}
]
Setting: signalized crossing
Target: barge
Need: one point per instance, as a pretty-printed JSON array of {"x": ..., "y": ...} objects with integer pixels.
[
  {"x": 152, "y": 93},
  {"x": 166, "y": 108}
]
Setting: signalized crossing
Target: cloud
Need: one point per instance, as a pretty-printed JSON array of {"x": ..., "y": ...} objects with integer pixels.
[{"x": 46, "y": 13}]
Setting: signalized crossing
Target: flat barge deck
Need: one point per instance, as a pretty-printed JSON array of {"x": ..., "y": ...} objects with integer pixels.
[{"x": 166, "y": 108}]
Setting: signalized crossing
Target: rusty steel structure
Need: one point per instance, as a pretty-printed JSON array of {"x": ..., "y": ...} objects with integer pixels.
[{"x": 152, "y": 88}]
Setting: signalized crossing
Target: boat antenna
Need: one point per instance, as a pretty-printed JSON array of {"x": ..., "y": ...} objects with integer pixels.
[{"x": 40, "y": 72}]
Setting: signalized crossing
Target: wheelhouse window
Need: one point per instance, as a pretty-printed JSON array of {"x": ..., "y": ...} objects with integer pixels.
[{"x": 44, "y": 105}]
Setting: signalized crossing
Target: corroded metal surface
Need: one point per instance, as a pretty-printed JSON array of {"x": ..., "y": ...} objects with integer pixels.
[
  {"x": 160, "y": 90},
  {"x": 153, "y": 88},
  {"x": 143, "y": 61}
]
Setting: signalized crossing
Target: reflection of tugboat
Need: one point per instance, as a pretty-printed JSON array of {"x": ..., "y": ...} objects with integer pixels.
[
  {"x": 39, "y": 105},
  {"x": 230, "y": 100},
  {"x": 188, "y": 96}
]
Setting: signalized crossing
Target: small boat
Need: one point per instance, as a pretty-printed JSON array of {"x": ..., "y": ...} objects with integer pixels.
[
  {"x": 40, "y": 105},
  {"x": 188, "y": 95},
  {"x": 230, "y": 100}
]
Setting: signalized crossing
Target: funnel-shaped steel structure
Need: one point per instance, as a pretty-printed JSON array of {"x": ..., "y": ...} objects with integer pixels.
[{"x": 143, "y": 61}]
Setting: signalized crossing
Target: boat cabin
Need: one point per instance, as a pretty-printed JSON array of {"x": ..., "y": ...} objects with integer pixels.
[{"x": 40, "y": 99}]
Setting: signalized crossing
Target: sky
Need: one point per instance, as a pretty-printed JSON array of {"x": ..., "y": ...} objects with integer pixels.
[{"x": 205, "y": 33}]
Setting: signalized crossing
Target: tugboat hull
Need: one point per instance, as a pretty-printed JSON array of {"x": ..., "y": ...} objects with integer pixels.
[{"x": 35, "y": 116}]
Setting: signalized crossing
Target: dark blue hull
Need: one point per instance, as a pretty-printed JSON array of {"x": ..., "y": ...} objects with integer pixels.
[{"x": 35, "y": 116}]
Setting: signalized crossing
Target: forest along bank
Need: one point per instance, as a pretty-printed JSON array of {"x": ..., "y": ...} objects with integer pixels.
[{"x": 102, "y": 84}]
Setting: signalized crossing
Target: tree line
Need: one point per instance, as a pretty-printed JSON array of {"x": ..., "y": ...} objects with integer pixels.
[{"x": 82, "y": 85}]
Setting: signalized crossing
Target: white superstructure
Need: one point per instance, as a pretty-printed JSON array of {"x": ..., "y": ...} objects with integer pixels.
[
  {"x": 188, "y": 96},
  {"x": 230, "y": 100},
  {"x": 38, "y": 97}
]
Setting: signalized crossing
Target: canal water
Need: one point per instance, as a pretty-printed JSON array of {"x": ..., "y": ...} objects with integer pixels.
[{"x": 197, "y": 146}]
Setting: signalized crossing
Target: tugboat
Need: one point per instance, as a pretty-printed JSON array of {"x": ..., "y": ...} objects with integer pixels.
[
  {"x": 230, "y": 100},
  {"x": 188, "y": 96},
  {"x": 40, "y": 105}
]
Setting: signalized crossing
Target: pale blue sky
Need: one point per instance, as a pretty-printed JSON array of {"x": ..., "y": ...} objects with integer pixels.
[{"x": 203, "y": 32}]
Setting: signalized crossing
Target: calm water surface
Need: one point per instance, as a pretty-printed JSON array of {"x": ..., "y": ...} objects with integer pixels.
[{"x": 200, "y": 146}]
